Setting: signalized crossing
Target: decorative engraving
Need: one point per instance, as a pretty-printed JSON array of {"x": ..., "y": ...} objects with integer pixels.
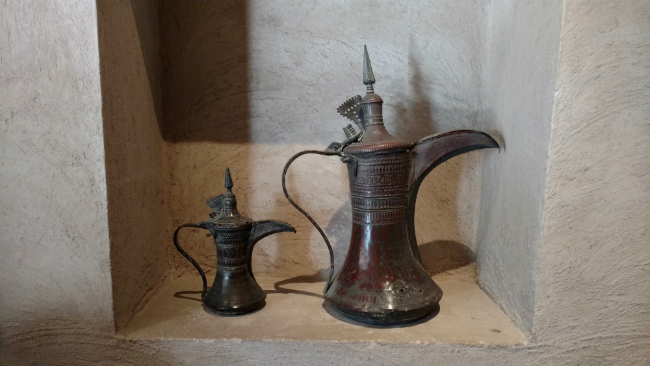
[
  {"x": 374, "y": 189},
  {"x": 382, "y": 180},
  {"x": 378, "y": 217},
  {"x": 239, "y": 251},
  {"x": 395, "y": 160},
  {"x": 367, "y": 169},
  {"x": 378, "y": 203},
  {"x": 402, "y": 290},
  {"x": 241, "y": 234},
  {"x": 231, "y": 263},
  {"x": 232, "y": 225},
  {"x": 233, "y": 269},
  {"x": 227, "y": 242}
]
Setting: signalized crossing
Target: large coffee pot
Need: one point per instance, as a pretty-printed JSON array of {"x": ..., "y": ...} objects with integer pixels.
[
  {"x": 382, "y": 280},
  {"x": 234, "y": 290}
]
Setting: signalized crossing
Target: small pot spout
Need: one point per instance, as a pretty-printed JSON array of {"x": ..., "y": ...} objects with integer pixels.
[{"x": 262, "y": 229}]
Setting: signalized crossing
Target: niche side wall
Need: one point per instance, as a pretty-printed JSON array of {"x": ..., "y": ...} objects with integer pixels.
[
  {"x": 523, "y": 56},
  {"x": 129, "y": 46}
]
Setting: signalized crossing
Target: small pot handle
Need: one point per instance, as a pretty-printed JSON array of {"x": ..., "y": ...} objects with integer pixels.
[{"x": 187, "y": 256}]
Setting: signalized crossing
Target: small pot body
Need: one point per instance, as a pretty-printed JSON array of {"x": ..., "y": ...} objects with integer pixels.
[
  {"x": 234, "y": 290},
  {"x": 381, "y": 282}
]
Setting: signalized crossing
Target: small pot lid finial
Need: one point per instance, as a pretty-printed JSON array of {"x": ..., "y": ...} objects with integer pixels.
[
  {"x": 228, "y": 184},
  {"x": 226, "y": 215}
]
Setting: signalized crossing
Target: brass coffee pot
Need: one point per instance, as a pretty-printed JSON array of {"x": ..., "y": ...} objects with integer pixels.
[
  {"x": 234, "y": 290},
  {"x": 382, "y": 280}
]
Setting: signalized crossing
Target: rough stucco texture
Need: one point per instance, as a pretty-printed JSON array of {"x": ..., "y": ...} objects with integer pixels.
[
  {"x": 248, "y": 84},
  {"x": 130, "y": 70},
  {"x": 522, "y": 62},
  {"x": 53, "y": 209},
  {"x": 593, "y": 284}
]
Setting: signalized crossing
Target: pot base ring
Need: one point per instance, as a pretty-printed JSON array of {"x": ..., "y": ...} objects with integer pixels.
[{"x": 388, "y": 317}]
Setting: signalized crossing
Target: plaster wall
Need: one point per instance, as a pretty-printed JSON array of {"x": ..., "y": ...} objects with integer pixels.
[
  {"x": 130, "y": 59},
  {"x": 523, "y": 56},
  {"x": 54, "y": 234},
  {"x": 248, "y": 84},
  {"x": 593, "y": 283}
]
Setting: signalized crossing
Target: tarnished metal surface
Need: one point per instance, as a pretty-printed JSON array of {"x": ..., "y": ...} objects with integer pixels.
[
  {"x": 234, "y": 290},
  {"x": 382, "y": 280}
]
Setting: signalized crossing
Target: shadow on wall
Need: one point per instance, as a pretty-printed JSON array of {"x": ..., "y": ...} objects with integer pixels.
[
  {"x": 205, "y": 68},
  {"x": 445, "y": 255},
  {"x": 206, "y": 108},
  {"x": 170, "y": 71}
]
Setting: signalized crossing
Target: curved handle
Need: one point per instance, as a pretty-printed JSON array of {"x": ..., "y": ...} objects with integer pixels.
[
  {"x": 187, "y": 256},
  {"x": 286, "y": 194}
]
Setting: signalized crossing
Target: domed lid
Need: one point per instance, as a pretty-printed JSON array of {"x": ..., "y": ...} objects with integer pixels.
[
  {"x": 225, "y": 215},
  {"x": 376, "y": 139}
]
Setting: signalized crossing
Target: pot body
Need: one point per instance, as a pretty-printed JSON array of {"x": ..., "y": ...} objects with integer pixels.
[
  {"x": 234, "y": 290},
  {"x": 380, "y": 281}
]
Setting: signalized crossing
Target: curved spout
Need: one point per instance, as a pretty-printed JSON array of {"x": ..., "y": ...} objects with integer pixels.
[
  {"x": 262, "y": 229},
  {"x": 432, "y": 151}
]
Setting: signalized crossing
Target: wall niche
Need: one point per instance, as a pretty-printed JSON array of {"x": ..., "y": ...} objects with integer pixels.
[{"x": 190, "y": 88}]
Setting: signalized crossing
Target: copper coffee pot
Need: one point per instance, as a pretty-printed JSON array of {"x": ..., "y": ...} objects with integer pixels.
[
  {"x": 382, "y": 280},
  {"x": 234, "y": 290}
]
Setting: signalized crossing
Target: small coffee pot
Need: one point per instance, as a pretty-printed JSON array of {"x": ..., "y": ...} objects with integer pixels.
[
  {"x": 382, "y": 280},
  {"x": 234, "y": 290}
]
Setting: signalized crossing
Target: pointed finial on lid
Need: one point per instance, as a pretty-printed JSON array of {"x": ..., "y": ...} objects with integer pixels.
[
  {"x": 368, "y": 76},
  {"x": 228, "y": 181}
]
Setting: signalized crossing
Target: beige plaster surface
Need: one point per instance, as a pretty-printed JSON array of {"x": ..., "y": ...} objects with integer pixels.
[
  {"x": 593, "y": 284},
  {"x": 294, "y": 310},
  {"x": 135, "y": 166},
  {"x": 522, "y": 69},
  {"x": 54, "y": 242}
]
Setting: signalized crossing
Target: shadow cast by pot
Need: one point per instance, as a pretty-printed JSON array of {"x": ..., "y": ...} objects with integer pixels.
[
  {"x": 445, "y": 255},
  {"x": 212, "y": 312},
  {"x": 316, "y": 277},
  {"x": 184, "y": 295}
]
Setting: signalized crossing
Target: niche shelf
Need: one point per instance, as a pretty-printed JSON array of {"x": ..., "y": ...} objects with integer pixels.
[{"x": 295, "y": 312}]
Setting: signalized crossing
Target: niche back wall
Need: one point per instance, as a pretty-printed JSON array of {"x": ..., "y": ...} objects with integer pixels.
[{"x": 248, "y": 84}]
